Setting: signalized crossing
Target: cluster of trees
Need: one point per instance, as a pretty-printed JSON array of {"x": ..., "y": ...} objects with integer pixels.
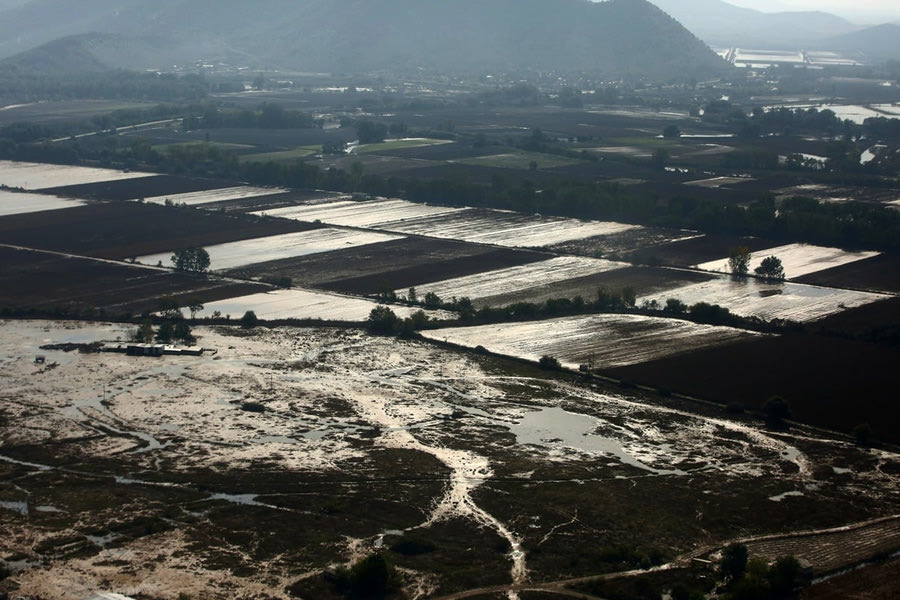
[
  {"x": 756, "y": 579},
  {"x": 268, "y": 116},
  {"x": 372, "y": 578},
  {"x": 170, "y": 330},
  {"x": 27, "y": 85},
  {"x": 192, "y": 259},
  {"x": 770, "y": 269},
  {"x": 382, "y": 320}
]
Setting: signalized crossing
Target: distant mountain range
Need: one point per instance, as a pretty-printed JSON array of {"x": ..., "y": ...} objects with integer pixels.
[
  {"x": 879, "y": 42},
  {"x": 724, "y": 25},
  {"x": 613, "y": 38}
]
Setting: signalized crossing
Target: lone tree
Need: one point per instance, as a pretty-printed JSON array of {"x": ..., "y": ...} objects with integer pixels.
[
  {"x": 382, "y": 320},
  {"x": 734, "y": 561},
  {"x": 249, "y": 320},
  {"x": 672, "y": 132},
  {"x": 776, "y": 410},
  {"x": 195, "y": 306},
  {"x": 192, "y": 259},
  {"x": 739, "y": 261},
  {"x": 771, "y": 269}
]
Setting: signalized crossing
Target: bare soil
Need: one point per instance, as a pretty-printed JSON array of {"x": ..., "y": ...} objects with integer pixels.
[
  {"x": 121, "y": 230},
  {"x": 146, "y": 187},
  {"x": 391, "y": 265},
  {"x": 874, "y": 582},
  {"x": 643, "y": 280},
  {"x": 877, "y": 274},
  {"x": 696, "y": 251},
  {"x": 827, "y": 381},
  {"x": 33, "y": 280}
]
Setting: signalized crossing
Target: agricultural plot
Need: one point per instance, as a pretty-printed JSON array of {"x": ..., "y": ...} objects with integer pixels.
[
  {"x": 35, "y": 176},
  {"x": 877, "y": 274},
  {"x": 16, "y": 203},
  {"x": 37, "y": 280},
  {"x": 797, "y": 259},
  {"x": 277, "y": 247},
  {"x": 600, "y": 341},
  {"x": 519, "y": 159},
  {"x": 281, "y": 155},
  {"x": 643, "y": 238},
  {"x": 120, "y": 230},
  {"x": 401, "y": 144},
  {"x": 133, "y": 189},
  {"x": 303, "y": 304},
  {"x": 377, "y": 268},
  {"x": 754, "y": 298},
  {"x": 718, "y": 182},
  {"x": 523, "y": 278},
  {"x": 217, "y": 195},
  {"x": 373, "y": 214},
  {"x": 643, "y": 280},
  {"x": 507, "y": 228}
]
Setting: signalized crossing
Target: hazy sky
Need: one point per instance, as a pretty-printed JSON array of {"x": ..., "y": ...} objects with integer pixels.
[{"x": 854, "y": 10}]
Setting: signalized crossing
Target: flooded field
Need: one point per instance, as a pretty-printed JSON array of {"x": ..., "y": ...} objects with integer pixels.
[
  {"x": 508, "y": 228},
  {"x": 471, "y": 225},
  {"x": 797, "y": 259},
  {"x": 753, "y": 298},
  {"x": 276, "y": 247},
  {"x": 15, "y": 203},
  {"x": 602, "y": 341},
  {"x": 35, "y": 176},
  {"x": 216, "y": 195},
  {"x": 154, "y": 476},
  {"x": 376, "y": 214},
  {"x": 303, "y": 304},
  {"x": 517, "y": 279}
]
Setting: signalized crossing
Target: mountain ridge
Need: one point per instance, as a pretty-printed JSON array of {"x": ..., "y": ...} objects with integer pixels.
[
  {"x": 722, "y": 24},
  {"x": 613, "y": 38}
]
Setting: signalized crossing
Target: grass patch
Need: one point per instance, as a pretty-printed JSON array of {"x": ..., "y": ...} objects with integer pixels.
[
  {"x": 398, "y": 145},
  {"x": 281, "y": 156},
  {"x": 647, "y": 142},
  {"x": 519, "y": 159},
  {"x": 220, "y": 145}
]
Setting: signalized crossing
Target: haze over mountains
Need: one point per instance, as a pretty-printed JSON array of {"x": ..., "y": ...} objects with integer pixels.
[
  {"x": 619, "y": 37},
  {"x": 722, "y": 24}
]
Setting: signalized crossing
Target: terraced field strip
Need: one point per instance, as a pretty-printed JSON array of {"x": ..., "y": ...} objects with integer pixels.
[
  {"x": 518, "y": 160},
  {"x": 831, "y": 551},
  {"x": 17, "y": 203},
  {"x": 601, "y": 340},
  {"x": 510, "y": 229},
  {"x": 517, "y": 279},
  {"x": 217, "y": 195},
  {"x": 35, "y": 176},
  {"x": 754, "y": 298},
  {"x": 381, "y": 213},
  {"x": 399, "y": 145},
  {"x": 277, "y": 247},
  {"x": 303, "y": 304},
  {"x": 797, "y": 259}
]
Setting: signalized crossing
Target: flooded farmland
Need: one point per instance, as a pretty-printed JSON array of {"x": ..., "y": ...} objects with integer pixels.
[
  {"x": 148, "y": 461},
  {"x": 14, "y": 203},
  {"x": 34, "y": 176}
]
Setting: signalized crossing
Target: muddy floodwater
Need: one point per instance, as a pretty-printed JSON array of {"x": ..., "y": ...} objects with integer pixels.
[{"x": 279, "y": 453}]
